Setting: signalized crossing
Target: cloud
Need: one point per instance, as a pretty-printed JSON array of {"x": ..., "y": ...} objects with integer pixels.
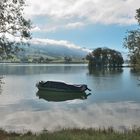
[
  {"x": 74, "y": 25},
  {"x": 88, "y": 11},
  {"x": 57, "y": 26},
  {"x": 51, "y": 28},
  {"x": 36, "y": 29},
  {"x": 58, "y": 43},
  {"x": 120, "y": 115}
]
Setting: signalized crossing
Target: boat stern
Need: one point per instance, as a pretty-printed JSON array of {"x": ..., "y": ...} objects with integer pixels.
[{"x": 84, "y": 88}]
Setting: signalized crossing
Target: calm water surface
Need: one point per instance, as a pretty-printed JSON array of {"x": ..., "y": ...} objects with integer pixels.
[{"x": 114, "y": 99}]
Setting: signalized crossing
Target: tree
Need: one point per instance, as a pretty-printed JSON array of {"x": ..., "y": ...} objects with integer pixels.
[
  {"x": 138, "y": 15},
  {"x": 105, "y": 57},
  {"x": 13, "y": 23},
  {"x": 132, "y": 43},
  {"x": 67, "y": 59}
]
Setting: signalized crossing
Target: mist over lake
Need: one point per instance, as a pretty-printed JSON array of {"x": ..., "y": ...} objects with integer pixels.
[{"x": 113, "y": 102}]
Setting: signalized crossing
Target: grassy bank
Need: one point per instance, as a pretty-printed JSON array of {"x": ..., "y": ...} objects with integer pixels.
[{"x": 74, "y": 134}]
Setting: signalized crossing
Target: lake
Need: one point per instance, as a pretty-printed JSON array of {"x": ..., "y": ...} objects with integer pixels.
[{"x": 113, "y": 102}]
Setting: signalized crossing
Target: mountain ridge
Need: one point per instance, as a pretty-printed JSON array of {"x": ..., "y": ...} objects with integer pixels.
[{"x": 54, "y": 48}]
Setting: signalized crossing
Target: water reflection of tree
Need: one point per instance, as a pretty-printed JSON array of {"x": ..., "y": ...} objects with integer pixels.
[
  {"x": 1, "y": 83},
  {"x": 104, "y": 71},
  {"x": 136, "y": 73}
]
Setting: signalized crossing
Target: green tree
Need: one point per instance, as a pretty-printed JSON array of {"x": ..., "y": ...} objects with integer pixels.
[
  {"x": 105, "y": 57},
  {"x": 12, "y": 22},
  {"x": 138, "y": 15},
  {"x": 41, "y": 59},
  {"x": 132, "y": 43}
]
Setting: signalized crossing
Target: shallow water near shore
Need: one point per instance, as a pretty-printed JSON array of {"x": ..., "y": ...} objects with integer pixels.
[{"x": 114, "y": 99}]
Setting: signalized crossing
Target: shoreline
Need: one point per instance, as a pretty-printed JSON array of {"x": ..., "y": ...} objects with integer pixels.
[
  {"x": 73, "y": 134},
  {"x": 74, "y": 62}
]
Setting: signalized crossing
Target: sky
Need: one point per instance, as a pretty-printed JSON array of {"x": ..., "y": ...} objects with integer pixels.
[{"x": 83, "y": 23}]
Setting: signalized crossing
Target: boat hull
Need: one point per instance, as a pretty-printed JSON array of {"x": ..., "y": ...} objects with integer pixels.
[{"x": 59, "y": 90}]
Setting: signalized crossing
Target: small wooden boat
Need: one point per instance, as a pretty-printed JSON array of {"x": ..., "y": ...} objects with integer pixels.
[
  {"x": 53, "y": 96},
  {"x": 61, "y": 86}
]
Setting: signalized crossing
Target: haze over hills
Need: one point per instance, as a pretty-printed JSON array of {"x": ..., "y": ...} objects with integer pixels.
[{"x": 54, "y": 48}]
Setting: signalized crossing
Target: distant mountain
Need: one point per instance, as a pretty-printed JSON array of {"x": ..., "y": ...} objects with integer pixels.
[{"x": 54, "y": 48}]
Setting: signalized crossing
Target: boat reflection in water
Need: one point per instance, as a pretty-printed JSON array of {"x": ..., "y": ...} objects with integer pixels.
[{"x": 55, "y": 96}]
